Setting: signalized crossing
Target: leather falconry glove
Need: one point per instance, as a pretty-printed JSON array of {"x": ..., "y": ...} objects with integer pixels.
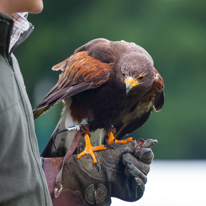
[{"x": 122, "y": 173}]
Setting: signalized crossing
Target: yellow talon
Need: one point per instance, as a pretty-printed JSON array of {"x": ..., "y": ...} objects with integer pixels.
[
  {"x": 89, "y": 149},
  {"x": 112, "y": 139},
  {"x": 125, "y": 141}
]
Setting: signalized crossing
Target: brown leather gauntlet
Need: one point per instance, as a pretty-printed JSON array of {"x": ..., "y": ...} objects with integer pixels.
[{"x": 122, "y": 174}]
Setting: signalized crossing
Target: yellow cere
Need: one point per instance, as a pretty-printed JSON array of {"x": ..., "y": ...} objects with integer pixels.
[{"x": 132, "y": 81}]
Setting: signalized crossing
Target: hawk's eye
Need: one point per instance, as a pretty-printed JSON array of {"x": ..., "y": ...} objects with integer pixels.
[
  {"x": 140, "y": 78},
  {"x": 123, "y": 74}
]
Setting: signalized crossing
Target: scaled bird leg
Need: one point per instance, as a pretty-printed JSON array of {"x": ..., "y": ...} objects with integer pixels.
[
  {"x": 112, "y": 139},
  {"x": 90, "y": 150}
]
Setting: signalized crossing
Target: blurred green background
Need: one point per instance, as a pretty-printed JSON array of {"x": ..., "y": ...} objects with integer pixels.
[{"x": 172, "y": 31}]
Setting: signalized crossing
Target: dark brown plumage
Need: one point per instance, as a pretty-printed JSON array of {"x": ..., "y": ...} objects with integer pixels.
[{"x": 108, "y": 84}]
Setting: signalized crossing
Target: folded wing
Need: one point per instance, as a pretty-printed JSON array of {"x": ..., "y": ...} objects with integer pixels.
[{"x": 80, "y": 72}]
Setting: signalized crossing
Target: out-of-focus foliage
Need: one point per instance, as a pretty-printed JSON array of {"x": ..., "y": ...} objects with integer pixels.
[{"x": 172, "y": 31}]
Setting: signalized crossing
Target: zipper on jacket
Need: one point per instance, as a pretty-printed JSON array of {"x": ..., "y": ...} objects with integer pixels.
[{"x": 10, "y": 61}]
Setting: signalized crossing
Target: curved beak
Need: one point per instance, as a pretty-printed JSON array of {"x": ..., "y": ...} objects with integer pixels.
[{"x": 130, "y": 82}]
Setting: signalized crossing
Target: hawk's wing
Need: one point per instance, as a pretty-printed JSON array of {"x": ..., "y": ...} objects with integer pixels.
[{"x": 80, "y": 72}]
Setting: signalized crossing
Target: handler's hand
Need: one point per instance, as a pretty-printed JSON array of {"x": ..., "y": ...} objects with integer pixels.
[{"x": 122, "y": 173}]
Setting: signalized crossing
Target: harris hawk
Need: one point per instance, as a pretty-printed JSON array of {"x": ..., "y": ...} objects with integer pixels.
[{"x": 108, "y": 84}]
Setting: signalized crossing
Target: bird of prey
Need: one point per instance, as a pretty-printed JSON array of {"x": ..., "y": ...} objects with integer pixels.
[{"x": 108, "y": 84}]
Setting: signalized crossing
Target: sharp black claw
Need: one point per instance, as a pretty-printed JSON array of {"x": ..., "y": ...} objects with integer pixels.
[
  {"x": 75, "y": 158},
  {"x": 134, "y": 140},
  {"x": 114, "y": 141},
  {"x": 109, "y": 146},
  {"x": 96, "y": 163}
]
